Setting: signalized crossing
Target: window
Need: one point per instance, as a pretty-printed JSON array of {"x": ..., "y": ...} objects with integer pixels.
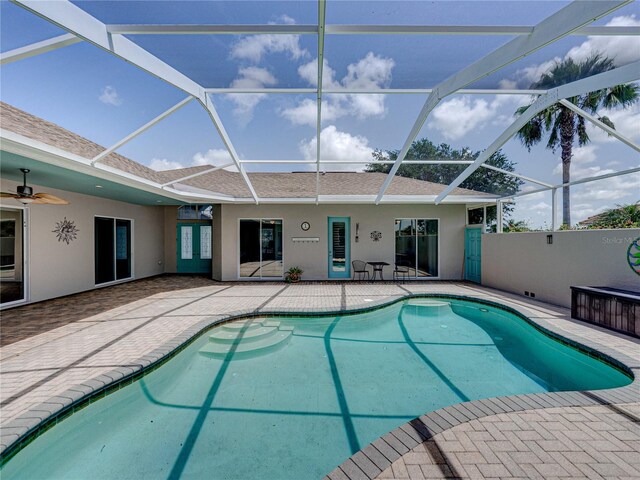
[
  {"x": 12, "y": 270},
  {"x": 487, "y": 216},
  {"x": 417, "y": 246},
  {"x": 261, "y": 248},
  {"x": 475, "y": 216},
  {"x": 195, "y": 212},
  {"x": 112, "y": 249}
]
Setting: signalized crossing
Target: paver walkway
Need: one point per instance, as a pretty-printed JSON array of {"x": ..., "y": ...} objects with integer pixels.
[{"x": 90, "y": 337}]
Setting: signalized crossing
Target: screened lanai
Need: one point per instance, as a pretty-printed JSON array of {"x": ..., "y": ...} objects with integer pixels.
[{"x": 244, "y": 88}]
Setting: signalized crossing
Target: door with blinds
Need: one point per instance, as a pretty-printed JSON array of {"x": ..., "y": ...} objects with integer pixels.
[
  {"x": 194, "y": 242},
  {"x": 339, "y": 248}
]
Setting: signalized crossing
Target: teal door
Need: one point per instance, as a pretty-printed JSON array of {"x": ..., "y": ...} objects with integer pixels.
[
  {"x": 339, "y": 247},
  {"x": 194, "y": 248},
  {"x": 473, "y": 252}
]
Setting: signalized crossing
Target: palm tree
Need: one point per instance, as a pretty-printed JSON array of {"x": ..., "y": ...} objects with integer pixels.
[{"x": 562, "y": 124}]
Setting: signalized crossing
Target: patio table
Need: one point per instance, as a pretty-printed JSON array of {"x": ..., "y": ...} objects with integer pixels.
[{"x": 377, "y": 269}]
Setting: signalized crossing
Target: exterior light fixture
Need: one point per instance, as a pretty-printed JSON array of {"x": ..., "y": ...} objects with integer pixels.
[{"x": 549, "y": 239}]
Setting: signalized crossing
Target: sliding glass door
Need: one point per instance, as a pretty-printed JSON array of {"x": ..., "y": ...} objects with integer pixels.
[
  {"x": 261, "y": 248},
  {"x": 12, "y": 258},
  {"x": 112, "y": 249},
  {"x": 417, "y": 246}
]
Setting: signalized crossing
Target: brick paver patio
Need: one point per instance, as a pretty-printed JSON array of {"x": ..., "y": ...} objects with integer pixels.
[{"x": 45, "y": 366}]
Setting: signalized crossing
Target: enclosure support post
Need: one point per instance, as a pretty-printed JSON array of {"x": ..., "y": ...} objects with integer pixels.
[{"x": 554, "y": 209}]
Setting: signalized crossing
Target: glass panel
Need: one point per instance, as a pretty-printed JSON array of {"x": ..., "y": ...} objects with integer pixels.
[
  {"x": 104, "y": 250},
  {"x": 195, "y": 212},
  {"x": 205, "y": 242},
  {"x": 475, "y": 216},
  {"x": 187, "y": 212},
  {"x": 492, "y": 219},
  {"x": 406, "y": 245},
  {"x": 427, "y": 241},
  {"x": 11, "y": 256},
  {"x": 186, "y": 243},
  {"x": 123, "y": 249},
  {"x": 338, "y": 247},
  {"x": 271, "y": 236},
  {"x": 250, "y": 248}
]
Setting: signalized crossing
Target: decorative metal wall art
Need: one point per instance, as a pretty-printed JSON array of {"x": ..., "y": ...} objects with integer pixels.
[
  {"x": 633, "y": 255},
  {"x": 66, "y": 231},
  {"x": 376, "y": 236}
]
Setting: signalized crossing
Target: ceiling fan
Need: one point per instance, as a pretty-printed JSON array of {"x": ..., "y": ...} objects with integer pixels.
[{"x": 25, "y": 194}]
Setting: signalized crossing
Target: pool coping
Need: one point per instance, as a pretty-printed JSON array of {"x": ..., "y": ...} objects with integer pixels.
[{"x": 375, "y": 457}]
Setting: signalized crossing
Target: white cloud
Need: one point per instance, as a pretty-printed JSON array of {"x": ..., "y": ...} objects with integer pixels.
[
  {"x": 458, "y": 116},
  {"x": 109, "y": 96},
  {"x": 337, "y": 145},
  {"x": 214, "y": 157},
  {"x": 370, "y": 72},
  {"x": 462, "y": 114},
  {"x": 621, "y": 49},
  {"x": 254, "y": 47},
  {"x": 609, "y": 189},
  {"x": 625, "y": 120},
  {"x": 306, "y": 112},
  {"x": 250, "y": 77},
  {"x": 160, "y": 164}
]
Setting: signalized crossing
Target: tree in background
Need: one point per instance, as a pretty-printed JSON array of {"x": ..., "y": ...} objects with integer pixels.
[
  {"x": 481, "y": 180},
  {"x": 622, "y": 216},
  {"x": 562, "y": 124},
  {"x": 516, "y": 226}
]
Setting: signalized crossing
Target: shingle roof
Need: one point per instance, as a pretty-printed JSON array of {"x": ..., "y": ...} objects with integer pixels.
[
  {"x": 35, "y": 128},
  {"x": 303, "y": 184},
  {"x": 267, "y": 185}
]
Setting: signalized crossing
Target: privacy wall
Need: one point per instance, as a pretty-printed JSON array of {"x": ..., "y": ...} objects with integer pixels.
[{"x": 519, "y": 262}]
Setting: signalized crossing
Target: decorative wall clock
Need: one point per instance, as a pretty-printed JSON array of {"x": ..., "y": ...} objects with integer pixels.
[{"x": 305, "y": 226}]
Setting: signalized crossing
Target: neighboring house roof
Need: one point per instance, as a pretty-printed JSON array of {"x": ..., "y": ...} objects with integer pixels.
[{"x": 267, "y": 185}]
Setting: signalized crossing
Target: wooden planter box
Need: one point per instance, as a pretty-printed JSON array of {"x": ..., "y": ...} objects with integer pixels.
[{"x": 607, "y": 307}]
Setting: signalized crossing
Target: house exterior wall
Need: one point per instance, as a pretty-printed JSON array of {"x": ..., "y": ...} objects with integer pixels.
[
  {"x": 313, "y": 257},
  {"x": 170, "y": 239},
  {"x": 519, "y": 262},
  {"x": 56, "y": 269}
]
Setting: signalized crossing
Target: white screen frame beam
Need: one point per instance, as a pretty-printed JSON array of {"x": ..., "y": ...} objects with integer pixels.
[
  {"x": 570, "y": 18},
  {"x": 617, "y": 76},
  {"x": 38, "y": 48}
]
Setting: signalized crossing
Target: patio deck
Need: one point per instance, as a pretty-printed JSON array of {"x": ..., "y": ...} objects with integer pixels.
[{"x": 58, "y": 351}]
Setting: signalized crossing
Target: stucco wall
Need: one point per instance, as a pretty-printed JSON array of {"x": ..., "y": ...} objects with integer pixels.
[
  {"x": 57, "y": 269},
  {"x": 170, "y": 240},
  {"x": 313, "y": 257},
  {"x": 519, "y": 262}
]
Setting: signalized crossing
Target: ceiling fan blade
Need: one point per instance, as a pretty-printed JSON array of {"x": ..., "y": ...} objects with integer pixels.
[
  {"x": 47, "y": 198},
  {"x": 9, "y": 195}
]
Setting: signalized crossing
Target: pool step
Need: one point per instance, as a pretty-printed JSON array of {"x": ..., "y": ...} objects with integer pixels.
[
  {"x": 427, "y": 303},
  {"x": 262, "y": 346},
  {"x": 250, "y": 338},
  {"x": 248, "y": 335}
]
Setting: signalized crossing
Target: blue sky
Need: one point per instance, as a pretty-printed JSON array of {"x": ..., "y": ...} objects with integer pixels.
[{"x": 103, "y": 98}]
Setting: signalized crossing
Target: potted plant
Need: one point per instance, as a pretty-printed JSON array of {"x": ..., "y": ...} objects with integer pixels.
[{"x": 293, "y": 275}]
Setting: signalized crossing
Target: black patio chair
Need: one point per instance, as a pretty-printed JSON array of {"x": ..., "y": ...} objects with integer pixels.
[
  {"x": 360, "y": 268},
  {"x": 400, "y": 271}
]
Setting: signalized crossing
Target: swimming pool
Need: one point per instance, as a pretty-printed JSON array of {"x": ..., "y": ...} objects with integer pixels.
[{"x": 287, "y": 397}]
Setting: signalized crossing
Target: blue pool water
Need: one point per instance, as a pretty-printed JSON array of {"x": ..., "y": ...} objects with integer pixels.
[{"x": 291, "y": 398}]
